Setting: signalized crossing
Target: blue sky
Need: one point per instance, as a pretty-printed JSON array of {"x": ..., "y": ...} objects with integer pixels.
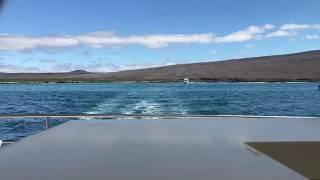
[{"x": 105, "y": 35}]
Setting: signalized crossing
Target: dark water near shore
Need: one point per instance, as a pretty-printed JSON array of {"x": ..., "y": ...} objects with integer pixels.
[{"x": 284, "y": 99}]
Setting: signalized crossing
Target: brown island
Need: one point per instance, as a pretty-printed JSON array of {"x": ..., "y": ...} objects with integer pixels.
[{"x": 297, "y": 67}]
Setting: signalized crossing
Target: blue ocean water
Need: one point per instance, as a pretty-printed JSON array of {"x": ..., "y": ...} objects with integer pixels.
[{"x": 284, "y": 99}]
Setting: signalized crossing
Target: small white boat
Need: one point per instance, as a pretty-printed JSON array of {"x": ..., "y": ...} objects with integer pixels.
[{"x": 186, "y": 81}]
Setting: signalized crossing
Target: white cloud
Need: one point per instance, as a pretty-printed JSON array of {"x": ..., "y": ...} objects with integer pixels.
[
  {"x": 151, "y": 41},
  {"x": 295, "y": 27},
  {"x": 312, "y": 37},
  {"x": 67, "y": 67},
  {"x": 104, "y": 67},
  {"x": 250, "y": 33},
  {"x": 105, "y": 39},
  {"x": 110, "y": 39},
  {"x": 281, "y": 33},
  {"x": 15, "y": 68},
  {"x": 290, "y": 30},
  {"x": 98, "y": 40}
]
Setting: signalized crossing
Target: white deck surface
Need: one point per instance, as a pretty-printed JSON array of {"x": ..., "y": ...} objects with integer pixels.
[{"x": 194, "y": 149}]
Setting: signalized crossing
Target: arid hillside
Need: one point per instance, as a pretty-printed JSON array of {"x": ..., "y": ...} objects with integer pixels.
[{"x": 293, "y": 67}]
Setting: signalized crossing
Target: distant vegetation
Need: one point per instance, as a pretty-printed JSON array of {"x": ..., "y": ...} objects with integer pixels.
[{"x": 293, "y": 67}]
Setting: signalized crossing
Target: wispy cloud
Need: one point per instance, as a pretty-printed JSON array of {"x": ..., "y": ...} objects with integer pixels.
[
  {"x": 295, "y": 27},
  {"x": 17, "y": 68},
  {"x": 110, "y": 39},
  {"x": 290, "y": 30},
  {"x": 67, "y": 67},
  {"x": 98, "y": 40},
  {"x": 281, "y": 33},
  {"x": 312, "y": 37},
  {"x": 252, "y": 32},
  {"x": 104, "y": 67},
  {"x": 102, "y": 39}
]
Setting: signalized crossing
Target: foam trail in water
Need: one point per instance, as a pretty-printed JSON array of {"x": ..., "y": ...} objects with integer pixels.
[
  {"x": 143, "y": 107},
  {"x": 109, "y": 106},
  {"x": 129, "y": 104}
]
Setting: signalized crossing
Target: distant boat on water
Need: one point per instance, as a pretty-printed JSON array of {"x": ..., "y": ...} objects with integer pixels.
[{"x": 186, "y": 81}]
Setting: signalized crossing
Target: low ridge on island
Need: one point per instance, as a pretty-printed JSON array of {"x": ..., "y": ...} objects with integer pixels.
[{"x": 280, "y": 68}]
